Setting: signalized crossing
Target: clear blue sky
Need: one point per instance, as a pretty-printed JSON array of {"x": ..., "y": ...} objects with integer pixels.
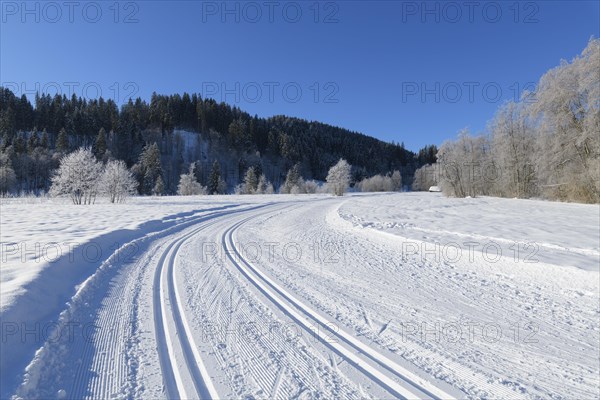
[{"x": 360, "y": 65}]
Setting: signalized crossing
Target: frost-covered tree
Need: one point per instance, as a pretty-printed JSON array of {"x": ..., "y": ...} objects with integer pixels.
[
  {"x": 548, "y": 146},
  {"x": 188, "y": 185},
  {"x": 264, "y": 186},
  {"x": 159, "y": 187},
  {"x": 250, "y": 181},
  {"x": 338, "y": 178},
  {"x": 150, "y": 168},
  {"x": 77, "y": 177},
  {"x": 512, "y": 172},
  {"x": 567, "y": 112},
  {"x": 396, "y": 181},
  {"x": 462, "y": 162},
  {"x": 294, "y": 182},
  {"x": 425, "y": 177},
  {"x": 216, "y": 184},
  {"x": 62, "y": 142},
  {"x": 116, "y": 182},
  {"x": 254, "y": 185}
]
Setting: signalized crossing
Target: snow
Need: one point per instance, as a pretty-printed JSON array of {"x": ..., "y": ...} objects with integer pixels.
[
  {"x": 36, "y": 234},
  {"x": 564, "y": 234},
  {"x": 279, "y": 296}
]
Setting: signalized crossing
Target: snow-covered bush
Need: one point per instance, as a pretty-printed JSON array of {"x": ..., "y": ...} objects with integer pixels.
[
  {"x": 338, "y": 178},
  {"x": 311, "y": 186},
  {"x": 188, "y": 185},
  {"x": 264, "y": 186},
  {"x": 254, "y": 185},
  {"x": 159, "y": 187},
  {"x": 239, "y": 189},
  {"x": 116, "y": 182},
  {"x": 77, "y": 177},
  {"x": 377, "y": 183}
]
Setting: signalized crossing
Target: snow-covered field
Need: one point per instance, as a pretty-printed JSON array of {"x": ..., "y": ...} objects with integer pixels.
[{"x": 409, "y": 295}]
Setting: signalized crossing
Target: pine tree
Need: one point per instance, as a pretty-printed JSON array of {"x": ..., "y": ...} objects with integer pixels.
[
  {"x": 214, "y": 180},
  {"x": 19, "y": 145},
  {"x": 33, "y": 142},
  {"x": 250, "y": 181},
  {"x": 7, "y": 174},
  {"x": 151, "y": 168},
  {"x": 293, "y": 181},
  {"x": 45, "y": 141},
  {"x": 62, "y": 142},
  {"x": 159, "y": 187},
  {"x": 5, "y": 142},
  {"x": 100, "y": 145}
]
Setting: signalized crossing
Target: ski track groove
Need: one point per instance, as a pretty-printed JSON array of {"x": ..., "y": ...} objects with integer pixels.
[
  {"x": 414, "y": 386},
  {"x": 265, "y": 353},
  {"x": 173, "y": 373}
]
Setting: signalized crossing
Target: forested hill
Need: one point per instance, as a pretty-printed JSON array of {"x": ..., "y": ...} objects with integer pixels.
[{"x": 224, "y": 133}]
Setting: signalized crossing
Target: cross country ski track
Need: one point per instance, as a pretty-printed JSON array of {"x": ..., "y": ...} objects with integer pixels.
[
  {"x": 395, "y": 379},
  {"x": 184, "y": 371},
  {"x": 193, "y": 313}
]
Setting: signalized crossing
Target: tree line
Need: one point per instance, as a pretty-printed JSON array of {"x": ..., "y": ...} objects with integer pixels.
[
  {"x": 545, "y": 145},
  {"x": 33, "y": 138}
]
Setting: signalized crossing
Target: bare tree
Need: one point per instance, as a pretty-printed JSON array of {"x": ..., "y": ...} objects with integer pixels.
[
  {"x": 462, "y": 162},
  {"x": 425, "y": 177},
  {"x": 513, "y": 152},
  {"x": 568, "y": 116}
]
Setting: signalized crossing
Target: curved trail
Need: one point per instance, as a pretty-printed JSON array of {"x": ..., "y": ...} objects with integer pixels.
[
  {"x": 150, "y": 317},
  {"x": 181, "y": 364},
  {"x": 165, "y": 316},
  {"x": 167, "y": 307},
  {"x": 395, "y": 379}
]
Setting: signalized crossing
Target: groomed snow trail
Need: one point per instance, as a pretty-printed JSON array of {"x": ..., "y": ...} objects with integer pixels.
[
  {"x": 173, "y": 334},
  {"x": 401, "y": 383},
  {"x": 292, "y": 298}
]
